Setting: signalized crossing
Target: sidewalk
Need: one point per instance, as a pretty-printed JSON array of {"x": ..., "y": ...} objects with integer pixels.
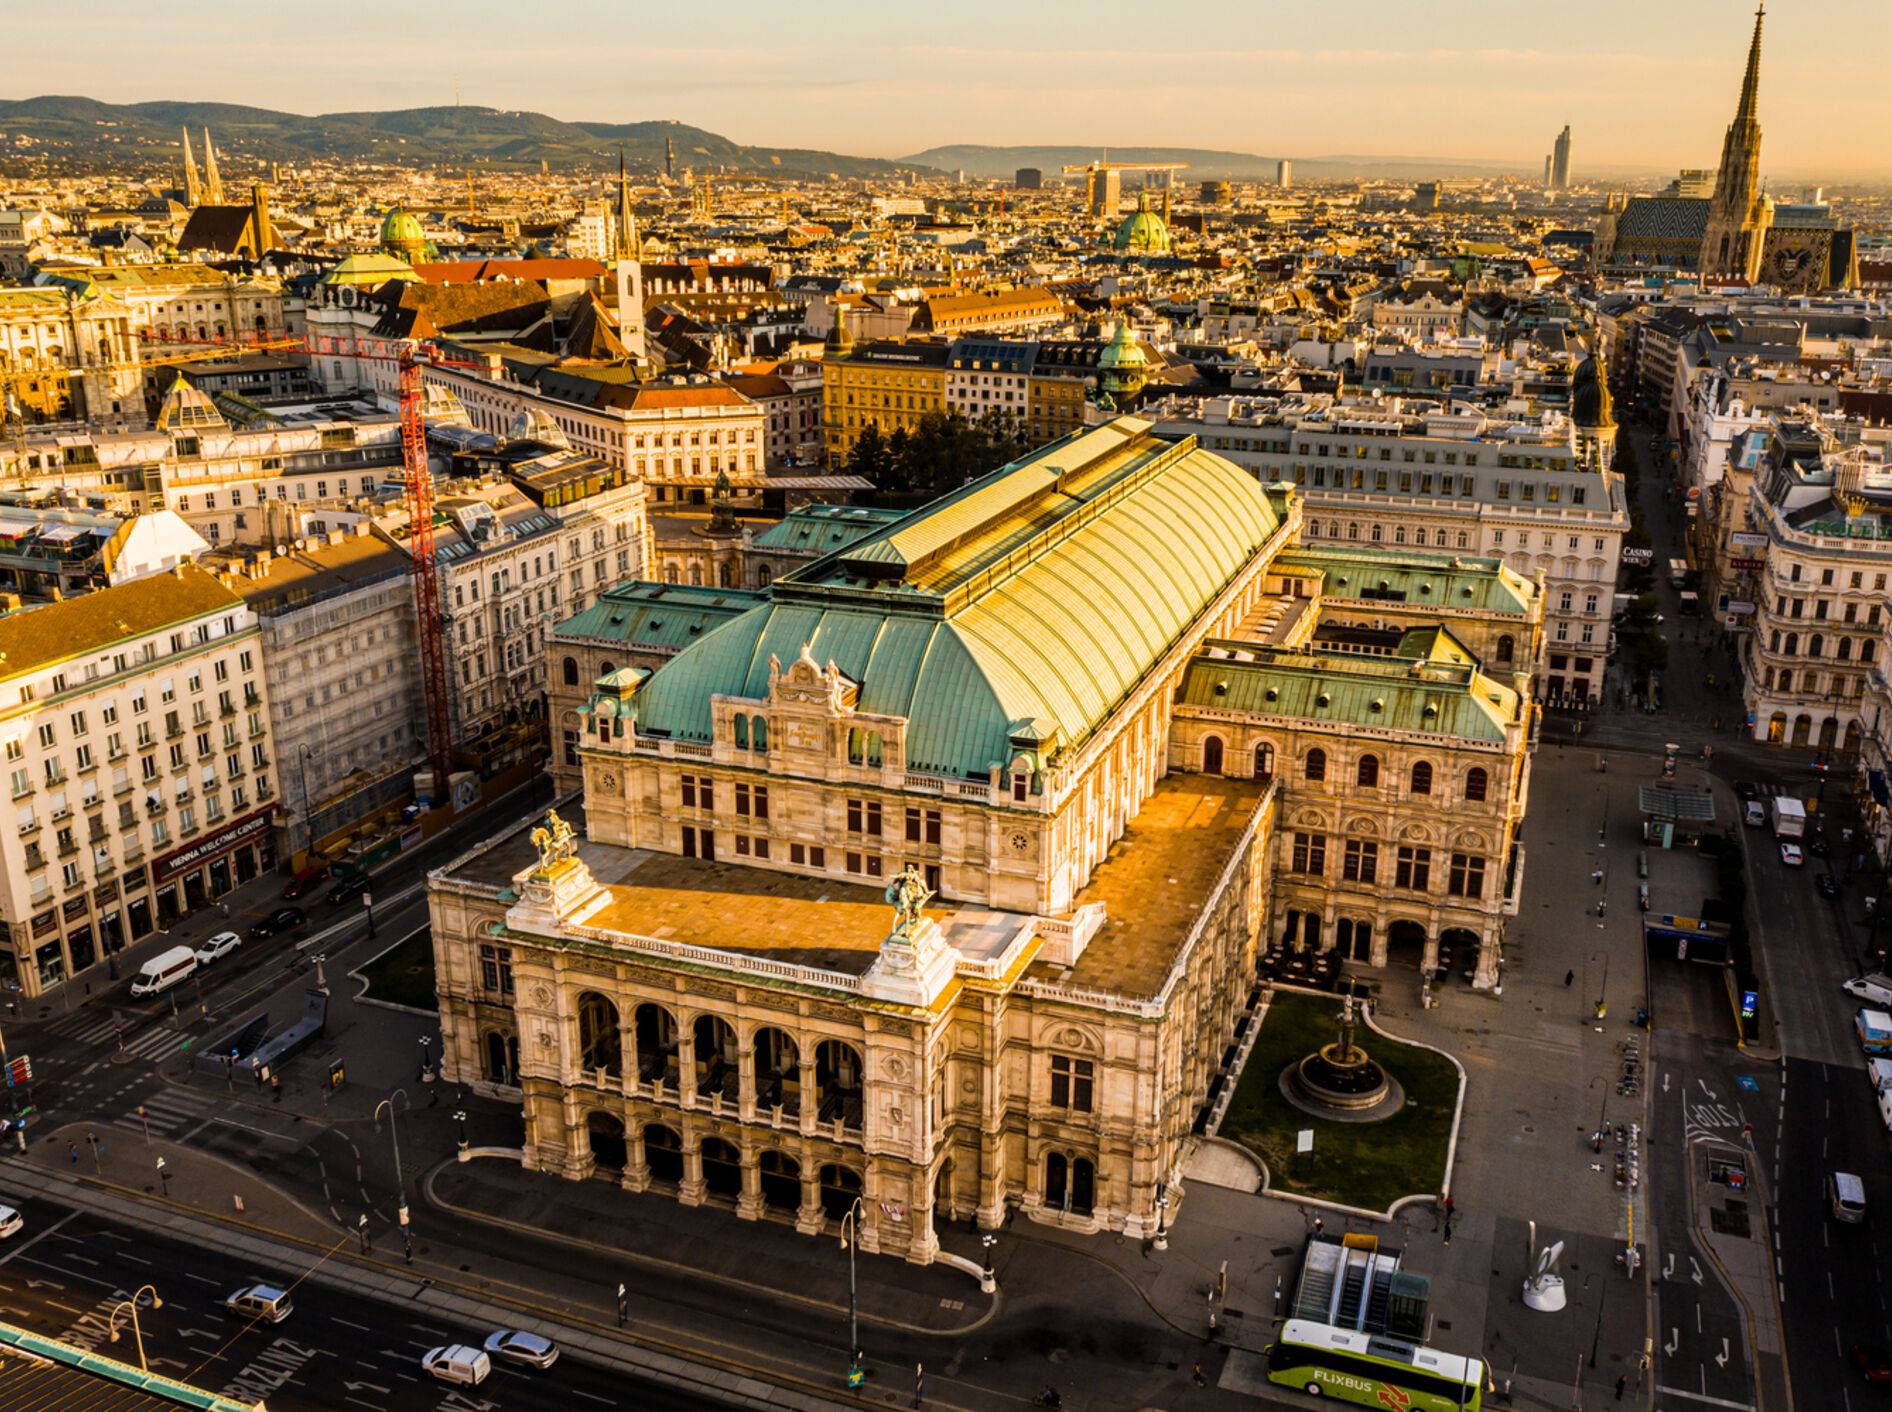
[{"x": 656, "y": 1233}]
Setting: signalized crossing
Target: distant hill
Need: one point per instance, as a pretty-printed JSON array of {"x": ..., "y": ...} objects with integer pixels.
[
  {"x": 67, "y": 130},
  {"x": 1205, "y": 164}
]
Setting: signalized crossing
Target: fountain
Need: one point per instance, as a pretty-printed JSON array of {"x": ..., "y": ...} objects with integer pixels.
[{"x": 1342, "y": 1081}]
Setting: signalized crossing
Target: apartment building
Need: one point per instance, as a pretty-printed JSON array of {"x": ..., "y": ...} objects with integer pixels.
[
  {"x": 1537, "y": 494},
  {"x": 342, "y": 667},
  {"x": 135, "y": 722},
  {"x": 1820, "y": 593}
]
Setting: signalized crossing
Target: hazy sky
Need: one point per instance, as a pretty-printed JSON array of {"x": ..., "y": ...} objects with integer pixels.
[{"x": 1642, "y": 82}]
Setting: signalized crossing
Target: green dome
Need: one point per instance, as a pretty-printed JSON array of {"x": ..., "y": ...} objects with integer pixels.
[
  {"x": 1123, "y": 351},
  {"x": 401, "y": 229},
  {"x": 1143, "y": 233}
]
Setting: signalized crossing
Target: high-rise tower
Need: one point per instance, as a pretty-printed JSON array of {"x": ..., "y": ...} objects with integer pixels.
[
  {"x": 1738, "y": 214},
  {"x": 1560, "y": 161}
]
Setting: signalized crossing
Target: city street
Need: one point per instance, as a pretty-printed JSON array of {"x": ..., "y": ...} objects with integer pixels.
[{"x": 65, "y": 1272}]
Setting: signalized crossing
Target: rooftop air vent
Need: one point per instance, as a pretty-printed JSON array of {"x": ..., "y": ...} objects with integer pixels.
[
  {"x": 1323, "y": 700},
  {"x": 1432, "y": 709}
]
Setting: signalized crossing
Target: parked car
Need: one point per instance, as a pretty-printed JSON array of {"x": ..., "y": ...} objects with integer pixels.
[
  {"x": 276, "y": 923},
  {"x": 220, "y": 945},
  {"x": 517, "y": 1346},
  {"x": 1873, "y": 1361},
  {"x": 457, "y": 1363},
  {"x": 1791, "y": 855},
  {"x": 261, "y": 1302},
  {"x": 1754, "y": 814},
  {"x": 304, "y": 883},
  {"x": 348, "y": 890},
  {"x": 1827, "y": 884},
  {"x": 1747, "y": 789},
  {"x": 10, "y": 1222}
]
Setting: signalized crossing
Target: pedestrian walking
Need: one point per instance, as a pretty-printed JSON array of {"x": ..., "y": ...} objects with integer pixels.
[
  {"x": 73, "y": 1148},
  {"x": 1319, "y": 1225},
  {"x": 1596, "y": 876},
  {"x": 1451, "y": 1206},
  {"x": 1196, "y": 1373},
  {"x": 1622, "y": 1386},
  {"x": 1448, "y": 1230},
  {"x": 1569, "y": 979}
]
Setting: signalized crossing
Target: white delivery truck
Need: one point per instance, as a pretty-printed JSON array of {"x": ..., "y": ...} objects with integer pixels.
[
  {"x": 1790, "y": 817},
  {"x": 163, "y": 971}
]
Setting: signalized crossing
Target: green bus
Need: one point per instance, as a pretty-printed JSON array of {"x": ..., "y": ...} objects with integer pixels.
[{"x": 1374, "y": 1370}]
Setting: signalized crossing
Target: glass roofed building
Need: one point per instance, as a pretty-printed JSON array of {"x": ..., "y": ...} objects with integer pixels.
[{"x": 933, "y": 872}]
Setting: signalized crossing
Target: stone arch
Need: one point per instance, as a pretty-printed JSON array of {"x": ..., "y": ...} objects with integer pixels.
[
  {"x": 1366, "y": 774},
  {"x": 663, "y": 1152},
  {"x": 1211, "y": 754},
  {"x": 1506, "y": 647},
  {"x": 780, "y": 1180},
  {"x": 656, "y": 1030},
  {"x": 600, "y": 1046},
  {"x": 569, "y": 669},
  {"x": 604, "y": 1133},
  {"x": 777, "y": 1069},
  {"x": 838, "y": 1069},
  {"x": 714, "y": 1042},
  {"x": 1314, "y": 764},
  {"x": 1829, "y": 732},
  {"x": 1477, "y": 784},
  {"x": 1419, "y": 778},
  {"x": 840, "y": 1187},
  {"x": 722, "y": 1168}
]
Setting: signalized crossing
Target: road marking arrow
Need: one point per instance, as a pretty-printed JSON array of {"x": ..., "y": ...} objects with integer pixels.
[
  {"x": 368, "y": 1387},
  {"x": 1721, "y": 1358},
  {"x": 1694, "y": 1269},
  {"x": 1665, "y": 1080},
  {"x": 1675, "y": 1342},
  {"x": 1668, "y": 1266},
  {"x": 1705, "y": 1089}
]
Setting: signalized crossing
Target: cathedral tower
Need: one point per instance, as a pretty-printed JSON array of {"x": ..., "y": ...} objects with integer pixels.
[
  {"x": 1738, "y": 214},
  {"x": 193, "y": 189}
]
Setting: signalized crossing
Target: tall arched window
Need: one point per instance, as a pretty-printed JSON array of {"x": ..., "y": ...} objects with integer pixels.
[
  {"x": 1475, "y": 783},
  {"x": 759, "y": 733},
  {"x": 1317, "y": 764},
  {"x": 1264, "y": 761},
  {"x": 1421, "y": 778},
  {"x": 1367, "y": 774},
  {"x": 1507, "y": 648},
  {"x": 570, "y": 671},
  {"x": 1057, "y": 1181},
  {"x": 1212, "y": 755},
  {"x": 1814, "y": 644}
]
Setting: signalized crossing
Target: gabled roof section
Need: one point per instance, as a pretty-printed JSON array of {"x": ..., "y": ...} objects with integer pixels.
[
  {"x": 1415, "y": 578},
  {"x": 1030, "y": 602},
  {"x": 657, "y": 616}
]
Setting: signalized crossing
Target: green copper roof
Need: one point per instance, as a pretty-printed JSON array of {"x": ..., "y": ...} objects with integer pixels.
[
  {"x": 822, "y": 529},
  {"x": 1143, "y": 232},
  {"x": 1413, "y": 577},
  {"x": 651, "y": 616},
  {"x": 1443, "y": 695},
  {"x": 1031, "y": 601}
]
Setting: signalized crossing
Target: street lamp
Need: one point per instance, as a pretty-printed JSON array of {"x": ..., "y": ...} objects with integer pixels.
[
  {"x": 361, "y": 1229},
  {"x": 1162, "y": 1215},
  {"x": 400, "y": 1182},
  {"x": 137, "y": 1333},
  {"x": 988, "y": 1277},
  {"x": 850, "y": 1237},
  {"x": 426, "y": 1059},
  {"x": 459, "y": 1116},
  {"x": 321, "y": 979},
  {"x": 164, "y": 1176}
]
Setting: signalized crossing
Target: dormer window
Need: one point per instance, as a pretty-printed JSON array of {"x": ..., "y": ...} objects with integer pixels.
[{"x": 1021, "y": 786}]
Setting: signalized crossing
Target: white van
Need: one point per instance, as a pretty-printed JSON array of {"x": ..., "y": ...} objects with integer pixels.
[
  {"x": 1874, "y": 990},
  {"x": 164, "y": 970},
  {"x": 1885, "y": 1109},
  {"x": 1880, "y": 1072},
  {"x": 457, "y": 1363},
  {"x": 1846, "y": 1194}
]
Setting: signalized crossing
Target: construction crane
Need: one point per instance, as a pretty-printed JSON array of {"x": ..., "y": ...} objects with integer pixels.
[
  {"x": 1093, "y": 171},
  {"x": 409, "y": 358}
]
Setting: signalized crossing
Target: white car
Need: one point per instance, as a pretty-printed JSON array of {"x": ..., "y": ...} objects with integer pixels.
[
  {"x": 1791, "y": 855},
  {"x": 457, "y": 1363},
  {"x": 1874, "y": 990},
  {"x": 222, "y": 944},
  {"x": 517, "y": 1346},
  {"x": 10, "y": 1222}
]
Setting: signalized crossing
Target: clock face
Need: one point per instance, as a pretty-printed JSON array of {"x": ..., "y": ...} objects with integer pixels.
[{"x": 1020, "y": 841}]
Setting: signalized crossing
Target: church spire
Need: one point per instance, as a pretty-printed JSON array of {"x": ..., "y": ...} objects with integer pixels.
[
  {"x": 193, "y": 191},
  {"x": 1749, "y": 108},
  {"x": 627, "y": 237},
  {"x": 213, "y": 182}
]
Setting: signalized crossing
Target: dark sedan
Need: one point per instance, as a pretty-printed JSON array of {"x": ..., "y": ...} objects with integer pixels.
[{"x": 283, "y": 919}]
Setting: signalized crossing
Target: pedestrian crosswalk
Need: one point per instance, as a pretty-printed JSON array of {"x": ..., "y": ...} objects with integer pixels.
[
  {"x": 92, "y": 1028},
  {"x": 168, "y": 1112},
  {"x": 158, "y": 1043}
]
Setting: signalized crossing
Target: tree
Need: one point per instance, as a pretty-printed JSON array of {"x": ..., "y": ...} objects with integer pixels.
[{"x": 870, "y": 458}]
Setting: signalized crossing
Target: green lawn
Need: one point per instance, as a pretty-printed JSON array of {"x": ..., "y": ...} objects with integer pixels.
[
  {"x": 1369, "y": 1165},
  {"x": 404, "y": 975}
]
